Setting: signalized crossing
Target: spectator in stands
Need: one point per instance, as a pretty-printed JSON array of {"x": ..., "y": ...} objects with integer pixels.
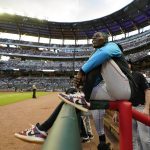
[
  {"x": 34, "y": 91},
  {"x": 141, "y": 102}
]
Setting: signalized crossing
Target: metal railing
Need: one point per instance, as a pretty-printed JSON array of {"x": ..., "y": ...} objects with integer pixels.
[{"x": 126, "y": 113}]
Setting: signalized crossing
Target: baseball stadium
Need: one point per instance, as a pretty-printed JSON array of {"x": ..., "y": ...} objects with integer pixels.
[{"x": 34, "y": 73}]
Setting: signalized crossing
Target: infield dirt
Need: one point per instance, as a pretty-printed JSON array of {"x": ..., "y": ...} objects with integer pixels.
[{"x": 17, "y": 117}]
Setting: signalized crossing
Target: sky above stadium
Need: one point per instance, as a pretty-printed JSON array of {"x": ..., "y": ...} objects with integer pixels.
[{"x": 63, "y": 10}]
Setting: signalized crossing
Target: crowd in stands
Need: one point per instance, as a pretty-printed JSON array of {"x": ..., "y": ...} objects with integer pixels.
[
  {"x": 42, "y": 83},
  {"x": 57, "y": 50},
  {"x": 137, "y": 56},
  {"x": 40, "y": 65},
  {"x": 56, "y": 65},
  {"x": 135, "y": 40},
  {"x": 47, "y": 53}
]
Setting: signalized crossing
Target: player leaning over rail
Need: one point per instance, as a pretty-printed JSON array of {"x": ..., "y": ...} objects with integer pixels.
[{"x": 105, "y": 76}]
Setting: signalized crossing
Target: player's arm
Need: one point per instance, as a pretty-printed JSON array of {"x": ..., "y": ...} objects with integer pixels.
[{"x": 100, "y": 56}]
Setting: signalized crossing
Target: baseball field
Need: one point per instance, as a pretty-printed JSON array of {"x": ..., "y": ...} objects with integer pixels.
[
  {"x": 13, "y": 97},
  {"x": 18, "y": 111}
]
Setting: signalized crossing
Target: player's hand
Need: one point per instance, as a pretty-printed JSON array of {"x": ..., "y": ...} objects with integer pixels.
[{"x": 78, "y": 79}]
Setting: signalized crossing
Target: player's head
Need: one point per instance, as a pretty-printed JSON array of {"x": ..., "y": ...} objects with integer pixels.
[
  {"x": 33, "y": 86},
  {"x": 99, "y": 39}
]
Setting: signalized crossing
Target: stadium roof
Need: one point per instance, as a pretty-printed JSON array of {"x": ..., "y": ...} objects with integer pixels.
[{"x": 134, "y": 16}]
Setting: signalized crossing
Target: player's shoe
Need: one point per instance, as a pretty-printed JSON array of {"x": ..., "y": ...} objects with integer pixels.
[
  {"x": 91, "y": 136},
  {"x": 32, "y": 134},
  {"x": 85, "y": 139},
  {"x": 77, "y": 100},
  {"x": 104, "y": 146}
]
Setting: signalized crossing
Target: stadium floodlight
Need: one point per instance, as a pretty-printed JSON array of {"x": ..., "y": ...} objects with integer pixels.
[{"x": 148, "y": 53}]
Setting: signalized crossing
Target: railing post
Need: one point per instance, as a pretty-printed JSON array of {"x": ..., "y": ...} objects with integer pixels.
[
  {"x": 125, "y": 125},
  {"x": 126, "y": 112},
  {"x": 125, "y": 119}
]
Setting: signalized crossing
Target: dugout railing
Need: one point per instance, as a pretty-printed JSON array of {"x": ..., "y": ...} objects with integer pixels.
[{"x": 64, "y": 135}]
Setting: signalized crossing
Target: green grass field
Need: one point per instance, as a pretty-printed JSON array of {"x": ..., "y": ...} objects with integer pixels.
[{"x": 13, "y": 97}]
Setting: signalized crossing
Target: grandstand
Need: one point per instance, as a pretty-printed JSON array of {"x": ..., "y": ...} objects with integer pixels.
[
  {"x": 51, "y": 60},
  {"x": 51, "y": 66}
]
